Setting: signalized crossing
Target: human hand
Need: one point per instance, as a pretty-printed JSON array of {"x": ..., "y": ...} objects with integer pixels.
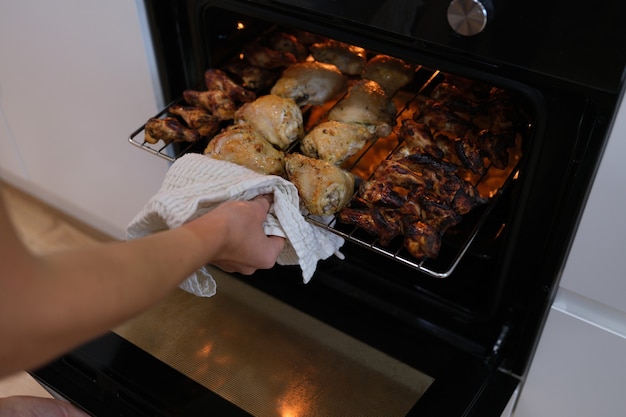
[
  {"x": 245, "y": 246},
  {"x": 27, "y": 406}
]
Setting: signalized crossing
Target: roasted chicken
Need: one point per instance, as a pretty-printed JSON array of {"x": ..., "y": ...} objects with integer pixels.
[
  {"x": 243, "y": 145},
  {"x": 216, "y": 79},
  {"x": 263, "y": 56},
  {"x": 253, "y": 78},
  {"x": 350, "y": 59},
  {"x": 216, "y": 102},
  {"x": 277, "y": 119},
  {"x": 390, "y": 73},
  {"x": 367, "y": 104},
  {"x": 324, "y": 188},
  {"x": 335, "y": 142},
  {"x": 197, "y": 118},
  {"x": 310, "y": 82},
  {"x": 169, "y": 130}
]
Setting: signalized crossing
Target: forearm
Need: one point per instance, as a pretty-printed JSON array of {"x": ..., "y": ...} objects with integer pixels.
[{"x": 72, "y": 296}]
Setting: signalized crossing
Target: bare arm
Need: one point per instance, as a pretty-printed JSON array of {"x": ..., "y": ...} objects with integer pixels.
[{"x": 51, "y": 303}]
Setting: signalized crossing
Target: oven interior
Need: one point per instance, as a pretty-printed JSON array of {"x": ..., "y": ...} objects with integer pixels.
[{"x": 470, "y": 317}]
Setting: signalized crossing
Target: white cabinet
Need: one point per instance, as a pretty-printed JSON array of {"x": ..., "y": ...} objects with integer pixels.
[
  {"x": 75, "y": 81},
  {"x": 580, "y": 365}
]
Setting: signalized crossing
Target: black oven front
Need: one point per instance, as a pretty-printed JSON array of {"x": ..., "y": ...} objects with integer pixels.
[{"x": 469, "y": 320}]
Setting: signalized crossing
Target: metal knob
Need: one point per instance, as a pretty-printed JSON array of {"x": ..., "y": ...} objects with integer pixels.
[{"x": 467, "y": 17}]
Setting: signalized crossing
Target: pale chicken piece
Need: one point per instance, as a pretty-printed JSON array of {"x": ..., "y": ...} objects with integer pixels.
[
  {"x": 368, "y": 104},
  {"x": 310, "y": 82},
  {"x": 324, "y": 188},
  {"x": 277, "y": 119},
  {"x": 216, "y": 102},
  {"x": 350, "y": 59},
  {"x": 169, "y": 130},
  {"x": 197, "y": 118},
  {"x": 334, "y": 142},
  {"x": 390, "y": 73},
  {"x": 243, "y": 145}
]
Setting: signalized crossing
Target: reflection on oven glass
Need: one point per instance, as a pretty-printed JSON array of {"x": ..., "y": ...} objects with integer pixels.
[{"x": 272, "y": 360}]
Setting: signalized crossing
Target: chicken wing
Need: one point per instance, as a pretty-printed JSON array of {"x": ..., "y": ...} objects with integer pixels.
[
  {"x": 243, "y": 145},
  {"x": 216, "y": 79},
  {"x": 310, "y": 82},
  {"x": 197, "y": 118},
  {"x": 350, "y": 59},
  {"x": 277, "y": 119},
  {"x": 324, "y": 189},
  {"x": 390, "y": 73},
  {"x": 334, "y": 142},
  {"x": 216, "y": 102},
  {"x": 368, "y": 104},
  {"x": 169, "y": 130}
]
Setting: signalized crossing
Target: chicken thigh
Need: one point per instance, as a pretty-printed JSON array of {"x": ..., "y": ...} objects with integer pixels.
[
  {"x": 390, "y": 73},
  {"x": 243, "y": 145},
  {"x": 368, "y": 104},
  {"x": 169, "y": 130},
  {"x": 350, "y": 59},
  {"x": 335, "y": 142},
  {"x": 310, "y": 82},
  {"x": 277, "y": 119},
  {"x": 197, "y": 118},
  {"x": 324, "y": 188}
]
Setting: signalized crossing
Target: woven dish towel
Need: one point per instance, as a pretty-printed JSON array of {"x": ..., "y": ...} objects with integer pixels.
[{"x": 195, "y": 184}]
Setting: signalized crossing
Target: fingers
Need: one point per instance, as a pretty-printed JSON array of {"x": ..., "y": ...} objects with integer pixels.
[{"x": 266, "y": 200}]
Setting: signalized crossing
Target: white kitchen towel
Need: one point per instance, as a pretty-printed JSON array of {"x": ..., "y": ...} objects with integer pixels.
[{"x": 196, "y": 183}]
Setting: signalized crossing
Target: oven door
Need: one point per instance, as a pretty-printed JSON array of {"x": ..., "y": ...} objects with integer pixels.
[{"x": 243, "y": 352}]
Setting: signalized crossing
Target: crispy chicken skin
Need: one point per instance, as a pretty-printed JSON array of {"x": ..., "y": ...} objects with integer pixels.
[
  {"x": 253, "y": 78},
  {"x": 368, "y": 104},
  {"x": 334, "y": 142},
  {"x": 243, "y": 145},
  {"x": 390, "y": 73},
  {"x": 197, "y": 118},
  {"x": 277, "y": 119},
  {"x": 169, "y": 130},
  {"x": 350, "y": 59},
  {"x": 216, "y": 102},
  {"x": 310, "y": 82},
  {"x": 216, "y": 79},
  {"x": 324, "y": 189}
]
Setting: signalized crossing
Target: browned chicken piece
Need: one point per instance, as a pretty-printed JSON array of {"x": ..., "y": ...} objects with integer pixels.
[
  {"x": 460, "y": 102},
  {"x": 324, "y": 188},
  {"x": 381, "y": 222},
  {"x": 265, "y": 57},
  {"x": 368, "y": 104},
  {"x": 286, "y": 42},
  {"x": 421, "y": 239},
  {"x": 334, "y": 142},
  {"x": 169, "y": 130},
  {"x": 350, "y": 59},
  {"x": 216, "y": 79},
  {"x": 243, "y": 145},
  {"x": 495, "y": 146},
  {"x": 441, "y": 120},
  {"x": 461, "y": 152},
  {"x": 310, "y": 82},
  {"x": 253, "y": 78},
  {"x": 390, "y": 73},
  {"x": 197, "y": 118},
  {"x": 277, "y": 119},
  {"x": 216, "y": 102},
  {"x": 418, "y": 135}
]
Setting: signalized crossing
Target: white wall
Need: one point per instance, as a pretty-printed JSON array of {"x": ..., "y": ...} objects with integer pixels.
[{"x": 75, "y": 81}]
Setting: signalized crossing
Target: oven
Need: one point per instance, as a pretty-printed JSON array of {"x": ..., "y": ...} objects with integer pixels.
[{"x": 380, "y": 331}]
